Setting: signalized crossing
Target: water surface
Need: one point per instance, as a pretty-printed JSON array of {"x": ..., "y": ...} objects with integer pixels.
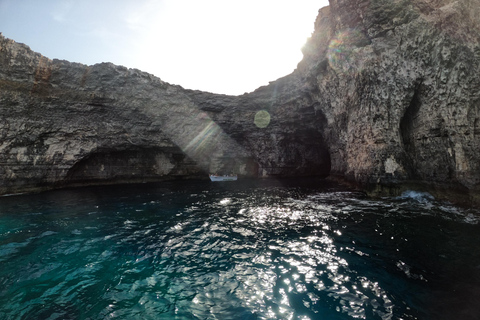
[{"x": 276, "y": 249}]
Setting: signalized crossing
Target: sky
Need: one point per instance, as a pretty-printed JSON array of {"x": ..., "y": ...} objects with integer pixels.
[{"x": 220, "y": 46}]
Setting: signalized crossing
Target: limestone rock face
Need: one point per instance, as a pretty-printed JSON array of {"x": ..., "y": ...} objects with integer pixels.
[
  {"x": 398, "y": 83},
  {"x": 386, "y": 96},
  {"x": 70, "y": 124}
]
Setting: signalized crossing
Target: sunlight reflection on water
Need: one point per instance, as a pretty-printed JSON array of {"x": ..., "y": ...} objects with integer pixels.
[{"x": 272, "y": 253}]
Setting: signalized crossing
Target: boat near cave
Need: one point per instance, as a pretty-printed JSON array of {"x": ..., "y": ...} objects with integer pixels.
[{"x": 214, "y": 177}]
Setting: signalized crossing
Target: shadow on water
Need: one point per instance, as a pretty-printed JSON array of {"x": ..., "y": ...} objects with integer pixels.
[{"x": 251, "y": 249}]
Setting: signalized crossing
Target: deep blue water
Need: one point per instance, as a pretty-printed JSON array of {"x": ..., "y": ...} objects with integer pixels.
[{"x": 265, "y": 249}]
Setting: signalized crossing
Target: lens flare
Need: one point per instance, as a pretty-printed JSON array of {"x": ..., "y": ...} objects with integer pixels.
[
  {"x": 197, "y": 135},
  {"x": 262, "y": 119},
  {"x": 203, "y": 138},
  {"x": 346, "y": 51}
]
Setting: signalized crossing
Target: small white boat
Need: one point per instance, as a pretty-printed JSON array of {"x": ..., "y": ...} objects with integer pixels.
[{"x": 214, "y": 177}]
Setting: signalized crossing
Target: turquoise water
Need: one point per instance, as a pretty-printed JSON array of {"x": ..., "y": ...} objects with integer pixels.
[{"x": 289, "y": 249}]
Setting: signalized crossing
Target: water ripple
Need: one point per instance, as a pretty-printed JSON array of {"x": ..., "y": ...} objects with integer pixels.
[{"x": 250, "y": 253}]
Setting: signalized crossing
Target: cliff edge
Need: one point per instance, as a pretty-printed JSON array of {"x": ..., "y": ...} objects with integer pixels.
[{"x": 387, "y": 96}]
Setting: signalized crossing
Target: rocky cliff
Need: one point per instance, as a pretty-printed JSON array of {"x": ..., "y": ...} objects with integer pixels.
[
  {"x": 398, "y": 83},
  {"x": 387, "y": 96}
]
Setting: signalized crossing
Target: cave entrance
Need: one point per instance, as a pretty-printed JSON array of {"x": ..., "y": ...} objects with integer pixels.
[{"x": 132, "y": 165}]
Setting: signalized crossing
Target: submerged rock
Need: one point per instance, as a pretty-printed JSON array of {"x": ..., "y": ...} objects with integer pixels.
[{"x": 387, "y": 96}]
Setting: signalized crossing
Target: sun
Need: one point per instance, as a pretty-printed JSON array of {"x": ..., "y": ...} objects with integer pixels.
[
  {"x": 223, "y": 46},
  {"x": 220, "y": 46}
]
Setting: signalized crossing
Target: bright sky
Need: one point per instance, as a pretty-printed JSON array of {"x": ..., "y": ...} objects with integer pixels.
[{"x": 221, "y": 46}]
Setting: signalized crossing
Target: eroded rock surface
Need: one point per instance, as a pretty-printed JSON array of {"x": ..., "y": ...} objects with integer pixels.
[
  {"x": 387, "y": 96},
  {"x": 398, "y": 83}
]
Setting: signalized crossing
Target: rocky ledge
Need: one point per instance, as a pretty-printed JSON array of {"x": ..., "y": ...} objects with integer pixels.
[{"x": 387, "y": 97}]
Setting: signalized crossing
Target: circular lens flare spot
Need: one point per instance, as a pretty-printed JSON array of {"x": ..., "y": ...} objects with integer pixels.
[
  {"x": 262, "y": 119},
  {"x": 344, "y": 51}
]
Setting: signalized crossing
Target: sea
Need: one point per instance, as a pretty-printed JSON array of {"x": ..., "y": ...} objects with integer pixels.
[{"x": 251, "y": 249}]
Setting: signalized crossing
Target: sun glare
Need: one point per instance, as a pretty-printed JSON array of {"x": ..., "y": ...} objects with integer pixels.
[{"x": 222, "y": 46}]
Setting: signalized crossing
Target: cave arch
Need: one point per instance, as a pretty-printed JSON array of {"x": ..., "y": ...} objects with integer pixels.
[{"x": 132, "y": 165}]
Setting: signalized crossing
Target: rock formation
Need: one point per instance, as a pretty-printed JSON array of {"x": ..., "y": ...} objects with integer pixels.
[
  {"x": 398, "y": 83},
  {"x": 387, "y": 96}
]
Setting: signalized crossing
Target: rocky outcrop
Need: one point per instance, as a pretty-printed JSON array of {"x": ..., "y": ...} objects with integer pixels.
[
  {"x": 398, "y": 83},
  {"x": 70, "y": 124},
  {"x": 387, "y": 96}
]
